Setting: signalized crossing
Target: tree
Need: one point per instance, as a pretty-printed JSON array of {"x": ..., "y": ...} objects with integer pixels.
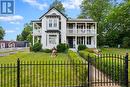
[
  {"x": 19, "y": 37},
  {"x": 2, "y": 33},
  {"x": 118, "y": 21},
  {"x": 97, "y": 10},
  {"x": 58, "y": 5},
  {"x": 26, "y": 33}
]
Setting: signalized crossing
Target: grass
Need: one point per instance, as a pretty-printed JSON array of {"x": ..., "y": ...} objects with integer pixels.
[
  {"x": 109, "y": 65},
  {"x": 40, "y": 56},
  {"x": 40, "y": 73},
  {"x": 120, "y": 51}
]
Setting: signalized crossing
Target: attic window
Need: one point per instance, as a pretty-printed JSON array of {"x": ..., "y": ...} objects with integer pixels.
[{"x": 53, "y": 13}]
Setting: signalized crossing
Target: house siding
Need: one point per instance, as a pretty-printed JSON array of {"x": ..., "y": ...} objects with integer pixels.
[{"x": 64, "y": 32}]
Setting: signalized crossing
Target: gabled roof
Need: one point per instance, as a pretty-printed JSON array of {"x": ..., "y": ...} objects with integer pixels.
[
  {"x": 36, "y": 21},
  {"x": 50, "y": 10}
]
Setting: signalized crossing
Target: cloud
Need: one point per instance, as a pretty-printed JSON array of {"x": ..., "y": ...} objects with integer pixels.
[
  {"x": 72, "y": 4},
  {"x": 36, "y": 4},
  {"x": 15, "y": 22},
  {"x": 12, "y": 19},
  {"x": 10, "y": 31}
]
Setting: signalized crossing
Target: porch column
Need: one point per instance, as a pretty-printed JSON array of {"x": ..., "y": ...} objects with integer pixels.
[
  {"x": 33, "y": 33},
  {"x": 76, "y": 27},
  {"x": 83, "y": 41},
  {"x": 95, "y": 35},
  {"x": 86, "y": 40}
]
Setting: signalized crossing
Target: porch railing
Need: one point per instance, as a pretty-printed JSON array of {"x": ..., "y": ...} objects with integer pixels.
[
  {"x": 37, "y": 31},
  {"x": 81, "y": 32}
]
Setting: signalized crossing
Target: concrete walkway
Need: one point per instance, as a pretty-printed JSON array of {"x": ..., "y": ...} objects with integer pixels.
[{"x": 101, "y": 79}]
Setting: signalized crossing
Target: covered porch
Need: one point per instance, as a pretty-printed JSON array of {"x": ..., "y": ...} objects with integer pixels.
[{"x": 74, "y": 41}]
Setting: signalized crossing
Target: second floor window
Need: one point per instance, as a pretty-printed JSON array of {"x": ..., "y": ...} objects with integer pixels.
[
  {"x": 55, "y": 23},
  {"x": 50, "y": 23}
]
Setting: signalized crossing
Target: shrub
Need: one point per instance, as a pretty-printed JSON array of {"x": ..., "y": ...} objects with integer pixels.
[
  {"x": 62, "y": 47},
  {"x": 126, "y": 42},
  {"x": 75, "y": 60},
  {"x": 46, "y": 50},
  {"x": 37, "y": 47},
  {"x": 82, "y": 47},
  {"x": 31, "y": 48}
]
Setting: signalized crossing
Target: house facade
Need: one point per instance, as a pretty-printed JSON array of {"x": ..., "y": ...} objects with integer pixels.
[{"x": 54, "y": 27}]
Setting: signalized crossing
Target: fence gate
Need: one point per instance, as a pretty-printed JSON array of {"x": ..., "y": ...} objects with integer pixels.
[{"x": 108, "y": 71}]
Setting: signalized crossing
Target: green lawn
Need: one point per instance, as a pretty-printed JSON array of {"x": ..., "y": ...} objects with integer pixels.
[
  {"x": 120, "y": 51},
  {"x": 24, "y": 56},
  {"x": 40, "y": 75}
]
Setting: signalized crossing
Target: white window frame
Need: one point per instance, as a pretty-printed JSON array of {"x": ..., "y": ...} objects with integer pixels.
[
  {"x": 52, "y": 39},
  {"x": 54, "y": 22},
  {"x": 50, "y": 22}
]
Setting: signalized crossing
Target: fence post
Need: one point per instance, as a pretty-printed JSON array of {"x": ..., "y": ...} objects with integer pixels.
[
  {"x": 88, "y": 70},
  {"x": 18, "y": 73},
  {"x": 126, "y": 70}
]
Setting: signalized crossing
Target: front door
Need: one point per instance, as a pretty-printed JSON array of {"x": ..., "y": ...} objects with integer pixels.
[{"x": 70, "y": 42}]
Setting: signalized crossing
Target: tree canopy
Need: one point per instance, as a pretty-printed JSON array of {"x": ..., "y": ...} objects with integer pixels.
[
  {"x": 117, "y": 23},
  {"x": 58, "y": 5},
  {"x": 113, "y": 20},
  {"x": 2, "y": 33},
  {"x": 26, "y": 34}
]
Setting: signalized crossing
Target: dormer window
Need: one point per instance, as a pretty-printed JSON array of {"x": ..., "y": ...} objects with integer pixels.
[{"x": 50, "y": 23}]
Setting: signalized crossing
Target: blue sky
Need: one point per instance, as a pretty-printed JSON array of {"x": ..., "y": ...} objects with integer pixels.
[{"x": 27, "y": 10}]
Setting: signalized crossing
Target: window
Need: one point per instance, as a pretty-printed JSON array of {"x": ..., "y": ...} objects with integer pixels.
[
  {"x": 50, "y": 23},
  {"x": 60, "y": 25},
  {"x": 52, "y": 39},
  {"x": 55, "y": 23},
  {"x": 89, "y": 40},
  {"x": 88, "y": 26}
]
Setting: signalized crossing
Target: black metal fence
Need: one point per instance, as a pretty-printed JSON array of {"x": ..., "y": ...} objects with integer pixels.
[
  {"x": 103, "y": 70},
  {"x": 44, "y": 74},
  {"x": 108, "y": 70}
]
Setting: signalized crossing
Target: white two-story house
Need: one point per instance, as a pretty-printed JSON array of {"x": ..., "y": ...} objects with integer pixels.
[{"x": 54, "y": 27}]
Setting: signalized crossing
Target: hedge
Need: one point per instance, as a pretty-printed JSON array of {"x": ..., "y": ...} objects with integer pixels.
[{"x": 80, "y": 69}]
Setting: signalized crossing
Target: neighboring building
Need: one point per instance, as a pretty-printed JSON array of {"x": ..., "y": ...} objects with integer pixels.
[
  {"x": 13, "y": 44},
  {"x": 54, "y": 27}
]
